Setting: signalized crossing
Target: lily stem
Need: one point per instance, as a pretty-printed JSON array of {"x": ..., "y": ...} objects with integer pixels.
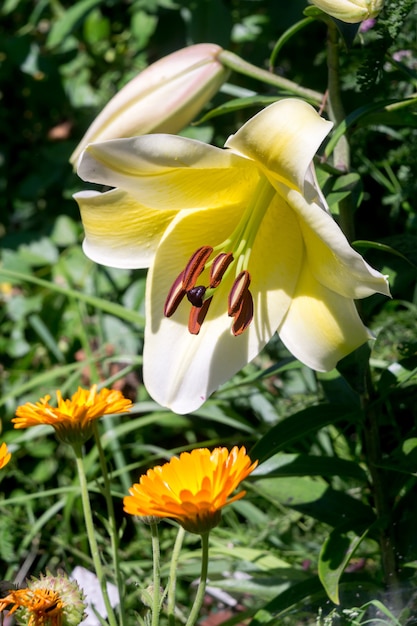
[
  {"x": 341, "y": 154},
  {"x": 89, "y": 525},
  {"x": 156, "y": 592},
  {"x": 173, "y": 575},
  {"x": 383, "y": 506},
  {"x": 341, "y": 157},
  {"x": 235, "y": 63},
  {"x": 201, "y": 591}
]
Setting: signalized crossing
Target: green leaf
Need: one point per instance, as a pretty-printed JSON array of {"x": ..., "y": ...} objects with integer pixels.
[
  {"x": 363, "y": 115},
  {"x": 299, "y": 425},
  {"x": 342, "y": 187},
  {"x": 335, "y": 555},
  {"x": 236, "y": 105},
  {"x": 314, "y": 497},
  {"x": 99, "y": 303},
  {"x": 285, "y": 600},
  {"x": 68, "y": 21},
  {"x": 307, "y": 465}
]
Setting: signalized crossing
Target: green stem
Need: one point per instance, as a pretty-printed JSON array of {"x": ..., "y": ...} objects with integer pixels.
[
  {"x": 201, "y": 591},
  {"x": 341, "y": 157},
  {"x": 114, "y": 536},
  {"x": 89, "y": 525},
  {"x": 341, "y": 154},
  {"x": 173, "y": 575},
  {"x": 383, "y": 507},
  {"x": 235, "y": 63},
  {"x": 156, "y": 595}
]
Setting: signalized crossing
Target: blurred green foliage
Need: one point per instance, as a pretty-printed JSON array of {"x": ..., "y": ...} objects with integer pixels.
[{"x": 62, "y": 321}]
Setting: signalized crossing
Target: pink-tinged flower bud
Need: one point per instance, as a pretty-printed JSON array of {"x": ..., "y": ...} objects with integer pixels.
[
  {"x": 351, "y": 11},
  {"x": 163, "y": 98}
]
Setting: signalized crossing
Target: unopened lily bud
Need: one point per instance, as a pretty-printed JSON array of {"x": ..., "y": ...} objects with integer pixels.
[
  {"x": 351, "y": 11},
  {"x": 163, "y": 98}
]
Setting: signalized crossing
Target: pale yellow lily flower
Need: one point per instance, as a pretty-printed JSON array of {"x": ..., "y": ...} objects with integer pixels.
[
  {"x": 164, "y": 98},
  {"x": 240, "y": 245},
  {"x": 351, "y": 11}
]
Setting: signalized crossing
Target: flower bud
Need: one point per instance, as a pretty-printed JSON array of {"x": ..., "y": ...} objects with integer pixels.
[
  {"x": 163, "y": 98},
  {"x": 351, "y": 11}
]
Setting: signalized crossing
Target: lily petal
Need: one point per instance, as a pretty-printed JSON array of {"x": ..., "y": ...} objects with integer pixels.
[
  {"x": 169, "y": 172},
  {"x": 120, "y": 232},
  {"x": 283, "y": 138},
  {"x": 330, "y": 257},
  {"x": 321, "y": 327},
  {"x": 194, "y": 366}
]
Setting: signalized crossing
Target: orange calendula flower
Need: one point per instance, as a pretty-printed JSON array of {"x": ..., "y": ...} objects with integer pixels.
[
  {"x": 73, "y": 418},
  {"x": 44, "y": 606},
  {"x": 46, "y": 601},
  {"x": 5, "y": 455},
  {"x": 191, "y": 489}
]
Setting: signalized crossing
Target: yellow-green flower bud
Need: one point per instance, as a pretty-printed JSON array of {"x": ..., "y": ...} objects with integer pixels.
[
  {"x": 351, "y": 11},
  {"x": 163, "y": 98}
]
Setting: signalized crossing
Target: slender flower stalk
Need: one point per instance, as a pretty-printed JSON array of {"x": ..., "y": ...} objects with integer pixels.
[
  {"x": 89, "y": 525},
  {"x": 172, "y": 583},
  {"x": 114, "y": 535},
  {"x": 239, "y": 65},
  {"x": 156, "y": 591},
  {"x": 341, "y": 155},
  {"x": 201, "y": 590}
]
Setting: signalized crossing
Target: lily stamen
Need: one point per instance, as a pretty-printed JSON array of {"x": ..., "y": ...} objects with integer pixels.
[
  {"x": 175, "y": 296},
  {"x": 197, "y": 316},
  {"x": 244, "y": 316},
  {"x": 238, "y": 293},
  {"x": 240, "y": 301},
  {"x": 195, "y": 266},
  {"x": 219, "y": 267}
]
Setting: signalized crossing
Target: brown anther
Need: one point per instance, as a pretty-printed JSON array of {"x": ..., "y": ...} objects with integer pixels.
[
  {"x": 218, "y": 268},
  {"x": 196, "y": 295},
  {"x": 237, "y": 292},
  {"x": 195, "y": 266},
  {"x": 175, "y": 296},
  {"x": 244, "y": 316},
  {"x": 197, "y": 316}
]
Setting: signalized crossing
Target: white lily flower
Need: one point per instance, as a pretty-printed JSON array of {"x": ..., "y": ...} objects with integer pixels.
[{"x": 240, "y": 245}]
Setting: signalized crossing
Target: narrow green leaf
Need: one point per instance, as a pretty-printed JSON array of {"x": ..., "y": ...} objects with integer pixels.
[
  {"x": 270, "y": 613},
  {"x": 236, "y": 105},
  {"x": 375, "y": 245},
  {"x": 307, "y": 465},
  {"x": 285, "y": 37},
  {"x": 109, "y": 307},
  {"x": 361, "y": 115},
  {"x": 314, "y": 497},
  {"x": 66, "y": 23},
  {"x": 298, "y": 426},
  {"x": 334, "y": 557}
]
